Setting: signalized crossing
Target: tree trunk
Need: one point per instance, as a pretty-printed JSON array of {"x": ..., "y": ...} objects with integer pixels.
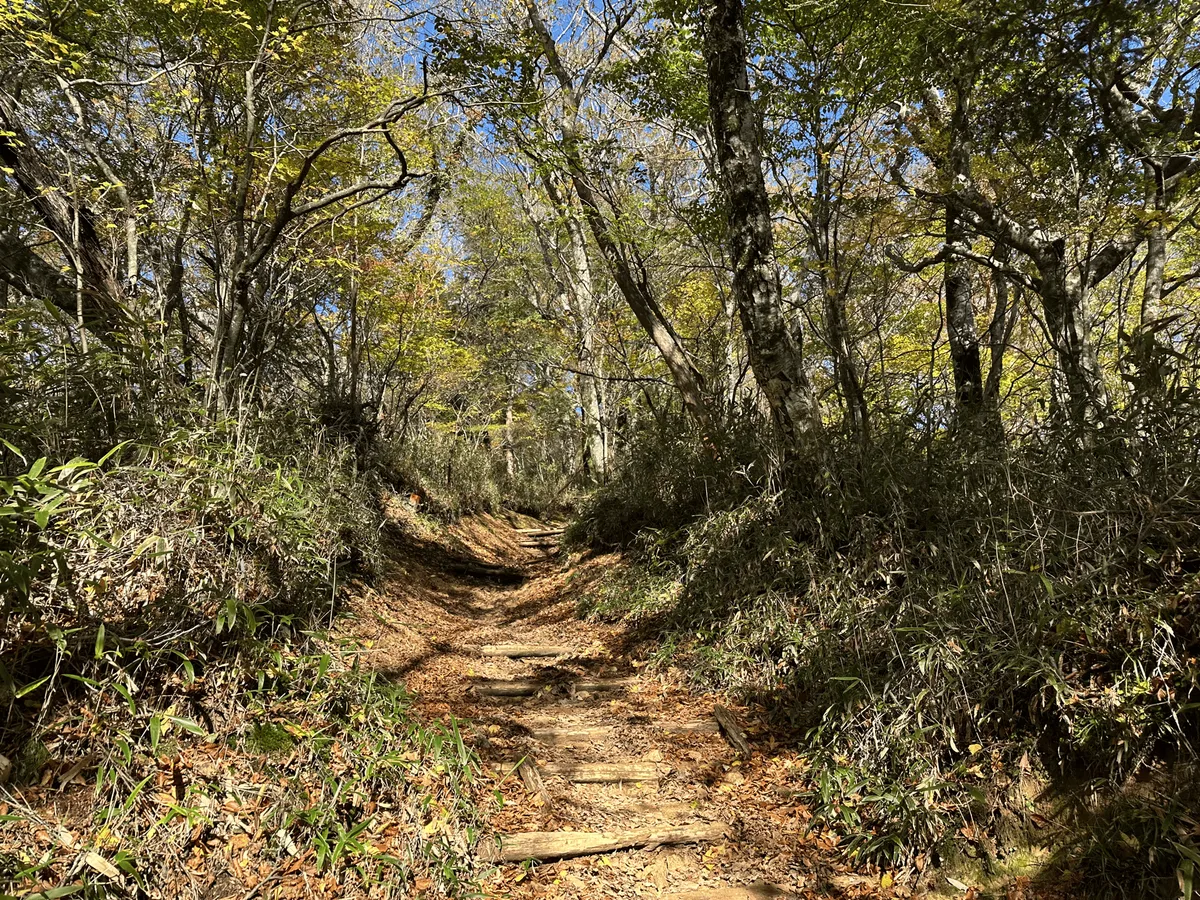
[
  {"x": 1079, "y": 394},
  {"x": 581, "y": 295},
  {"x": 622, "y": 257},
  {"x": 824, "y": 241},
  {"x": 99, "y": 304},
  {"x": 776, "y": 354},
  {"x": 593, "y": 434},
  {"x": 510, "y": 453},
  {"x": 1156, "y": 259},
  {"x": 1004, "y": 319},
  {"x": 844, "y": 370},
  {"x": 959, "y": 276},
  {"x": 634, "y": 284}
]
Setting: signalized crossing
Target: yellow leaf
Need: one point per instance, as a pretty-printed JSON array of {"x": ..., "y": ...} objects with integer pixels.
[{"x": 886, "y": 881}]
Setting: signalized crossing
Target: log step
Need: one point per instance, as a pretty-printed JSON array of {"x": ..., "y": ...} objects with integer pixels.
[
  {"x": 595, "y": 773},
  {"x": 568, "y": 737},
  {"x": 532, "y": 779},
  {"x": 665, "y": 810},
  {"x": 527, "y": 687},
  {"x": 540, "y": 532},
  {"x": 517, "y": 651},
  {"x": 708, "y": 726},
  {"x": 594, "y": 734},
  {"x": 605, "y": 773},
  {"x": 566, "y": 844},
  {"x": 758, "y": 891},
  {"x": 732, "y": 731}
]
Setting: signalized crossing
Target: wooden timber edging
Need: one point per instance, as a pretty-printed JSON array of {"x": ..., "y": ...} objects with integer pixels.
[
  {"x": 732, "y": 731},
  {"x": 566, "y": 844},
  {"x": 527, "y": 687},
  {"x": 592, "y": 773},
  {"x": 519, "y": 651}
]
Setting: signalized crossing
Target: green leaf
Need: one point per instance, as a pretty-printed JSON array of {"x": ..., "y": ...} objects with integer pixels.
[
  {"x": 1188, "y": 853},
  {"x": 12, "y": 449},
  {"x": 100, "y": 641},
  {"x": 111, "y": 453},
  {"x": 1048, "y": 585},
  {"x": 188, "y": 725},
  {"x": 64, "y": 891},
  {"x": 31, "y": 687}
]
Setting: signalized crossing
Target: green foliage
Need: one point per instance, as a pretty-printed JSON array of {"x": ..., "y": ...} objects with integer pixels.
[
  {"x": 936, "y": 621},
  {"x": 31, "y": 501},
  {"x": 668, "y": 479},
  {"x": 269, "y": 738}
]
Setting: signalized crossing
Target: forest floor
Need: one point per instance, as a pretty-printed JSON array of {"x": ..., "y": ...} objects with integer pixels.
[
  {"x": 610, "y": 770},
  {"x": 617, "y": 750}
]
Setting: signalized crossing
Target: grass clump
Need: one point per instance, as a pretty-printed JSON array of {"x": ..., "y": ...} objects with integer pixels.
[
  {"x": 165, "y": 650},
  {"x": 963, "y": 642},
  {"x": 269, "y": 738}
]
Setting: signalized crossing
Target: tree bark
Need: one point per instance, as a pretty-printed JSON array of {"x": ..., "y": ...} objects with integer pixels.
[
  {"x": 1004, "y": 319},
  {"x": 622, "y": 257},
  {"x": 824, "y": 240},
  {"x": 1079, "y": 391},
  {"x": 581, "y": 297},
  {"x": 1063, "y": 284},
  {"x": 959, "y": 275},
  {"x": 1156, "y": 245},
  {"x": 99, "y": 304},
  {"x": 776, "y": 352}
]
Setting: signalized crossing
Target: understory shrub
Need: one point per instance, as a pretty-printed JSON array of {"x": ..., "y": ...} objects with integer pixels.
[
  {"x": 456, "y": 476},
  {"x": 944, "y": 623},
  {"x": 166, "y": 604}
]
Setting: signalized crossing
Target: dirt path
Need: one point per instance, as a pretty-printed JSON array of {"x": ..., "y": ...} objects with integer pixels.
[{"x": 614, "y": 755}]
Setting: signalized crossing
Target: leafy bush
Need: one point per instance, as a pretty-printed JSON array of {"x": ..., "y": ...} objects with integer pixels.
[
  {"x": 667, "y": 479},
  {"x": 457, "y": 476},
  {"x": 171, "y": 600},
  {"x": 941, "y": 624}
]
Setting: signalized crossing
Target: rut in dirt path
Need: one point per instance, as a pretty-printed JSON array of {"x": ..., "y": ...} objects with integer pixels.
[{"x": 615, "y": 783}]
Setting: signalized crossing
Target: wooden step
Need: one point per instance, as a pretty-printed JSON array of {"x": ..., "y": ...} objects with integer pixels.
[
  {"x": 594, "y": 734},
  {"x": 758, "y": 891},
  {"x": 532, "y": 779},
  {"x": 569, "y": 737},
  {"x": 605, "y": 773},
  {"x": 517, "y": 651},
  {"x": 540, "y": 532},
  {"x": 527, "y": 687},
  {"x": 732, "y": 731},
  {"x": 566, "y": 844},
  {"x": 707, "y": 726},
  {"x": 633, "y": 772},
  {"x": 664, "y": 810}
]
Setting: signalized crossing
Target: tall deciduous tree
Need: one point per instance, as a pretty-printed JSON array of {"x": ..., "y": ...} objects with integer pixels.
[{"x": 776, "y": 350}]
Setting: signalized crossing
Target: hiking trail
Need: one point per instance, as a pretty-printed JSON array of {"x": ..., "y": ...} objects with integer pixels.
[{"x": 617, "y": 780}]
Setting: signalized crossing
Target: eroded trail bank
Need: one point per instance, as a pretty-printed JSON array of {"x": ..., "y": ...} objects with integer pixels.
[{"x": 618, "y": 779}]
